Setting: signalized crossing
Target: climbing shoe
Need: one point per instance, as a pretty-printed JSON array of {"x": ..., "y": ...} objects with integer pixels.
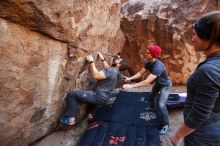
[{"x": 67, "y": 121}]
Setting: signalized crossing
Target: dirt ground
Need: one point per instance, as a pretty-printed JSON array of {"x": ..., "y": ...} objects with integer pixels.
[{"x": 71, "y": 137}]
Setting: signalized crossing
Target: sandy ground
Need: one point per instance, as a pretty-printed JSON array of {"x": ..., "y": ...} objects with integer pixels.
[{"x": 71, "y": 137}]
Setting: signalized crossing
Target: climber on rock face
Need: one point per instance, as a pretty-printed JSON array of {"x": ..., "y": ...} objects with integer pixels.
[
  {"x": 107, "y": 80},
  {"x": 158, "y": 73}
]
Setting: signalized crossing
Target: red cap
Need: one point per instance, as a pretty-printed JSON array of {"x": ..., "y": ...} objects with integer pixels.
[{"x": 154, "y": 51}]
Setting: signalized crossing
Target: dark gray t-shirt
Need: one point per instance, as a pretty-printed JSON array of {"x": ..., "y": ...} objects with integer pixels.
[
  {"x": 202, "y": 106},
  {"x": 158, "y": 68},
  {"x": 105, "y": 87}
]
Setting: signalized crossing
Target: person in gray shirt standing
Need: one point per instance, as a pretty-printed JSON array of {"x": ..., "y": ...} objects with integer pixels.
[
  {"x": 201, "y": 126},
  {"x": 107, "y": 80},
  {"x": 158, "y": 73}
]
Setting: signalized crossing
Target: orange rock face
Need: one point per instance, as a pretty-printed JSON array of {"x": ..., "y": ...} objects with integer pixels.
[
  {"x": 42, "y": 49},
  {"x": 31, "y": 76},
  {"x": 168, "y": 24},
  {"x": 43, "y": 45}
]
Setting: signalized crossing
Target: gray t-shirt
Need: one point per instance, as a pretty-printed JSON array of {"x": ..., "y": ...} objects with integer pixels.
[
  {"x": 106, "y": 86},
  {"x": 202, "y": 106},
  {"x": 158, "y": 68}
]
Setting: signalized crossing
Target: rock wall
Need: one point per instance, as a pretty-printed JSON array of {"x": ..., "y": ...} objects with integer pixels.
[
  {"x": 31, "y": 73},
  {"x": 42, "y": 50},
  {"x": 43, "y": 45},
  {"x": 81, "y": 22},
  {"x": 169, "y": 24}
]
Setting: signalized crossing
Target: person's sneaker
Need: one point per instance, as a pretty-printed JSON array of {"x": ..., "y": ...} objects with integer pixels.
[
  {"x": 67, "y": 121},
  {"x": 164, "y": 130}
]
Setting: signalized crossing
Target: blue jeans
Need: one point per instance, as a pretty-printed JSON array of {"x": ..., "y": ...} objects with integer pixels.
[
  {"x": 162, "y": 101},
  {"x": 87, "y": 96}
]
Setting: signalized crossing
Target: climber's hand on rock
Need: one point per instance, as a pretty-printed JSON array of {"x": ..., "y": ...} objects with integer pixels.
[
  {"x": 101, "y": 56},
  {"x": 89, "y": 58}
]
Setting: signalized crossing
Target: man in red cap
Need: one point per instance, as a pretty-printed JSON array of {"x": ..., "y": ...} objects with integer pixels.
[{"x": 158, "y": 73}]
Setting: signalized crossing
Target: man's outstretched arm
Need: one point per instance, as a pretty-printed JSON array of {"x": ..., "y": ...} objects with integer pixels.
[
  {"x": 136, "y": 76},
  {"x": 146, "y": 82}
]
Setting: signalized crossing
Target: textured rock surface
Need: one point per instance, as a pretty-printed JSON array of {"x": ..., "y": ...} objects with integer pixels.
[
  {"x": 167, "y": 23},
  {"x": 42, "y": 57},
  {"x": 31, "y": 76},
  {"x": 81, "y": 22},
  {"x": 42, "y": 52}
]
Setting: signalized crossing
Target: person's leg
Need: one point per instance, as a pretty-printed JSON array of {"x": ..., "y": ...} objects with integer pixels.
[
  {"x": 164, "y": 94},
  {"x": 87, "y": 96},
  {"x": 153, "y": 98}
]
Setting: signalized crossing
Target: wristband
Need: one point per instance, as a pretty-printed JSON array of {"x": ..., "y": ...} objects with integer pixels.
[
  {"x": 103, "y": 59},
  {"x": 91, "y": 62}
]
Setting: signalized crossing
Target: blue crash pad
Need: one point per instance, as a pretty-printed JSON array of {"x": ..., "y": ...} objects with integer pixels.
[{"x": 126, "y": 122}]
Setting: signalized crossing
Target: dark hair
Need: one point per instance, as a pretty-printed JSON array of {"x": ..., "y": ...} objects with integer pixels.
[
  {"x": 123, "y": 65},
  {"x": 209, "y": 25}
]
